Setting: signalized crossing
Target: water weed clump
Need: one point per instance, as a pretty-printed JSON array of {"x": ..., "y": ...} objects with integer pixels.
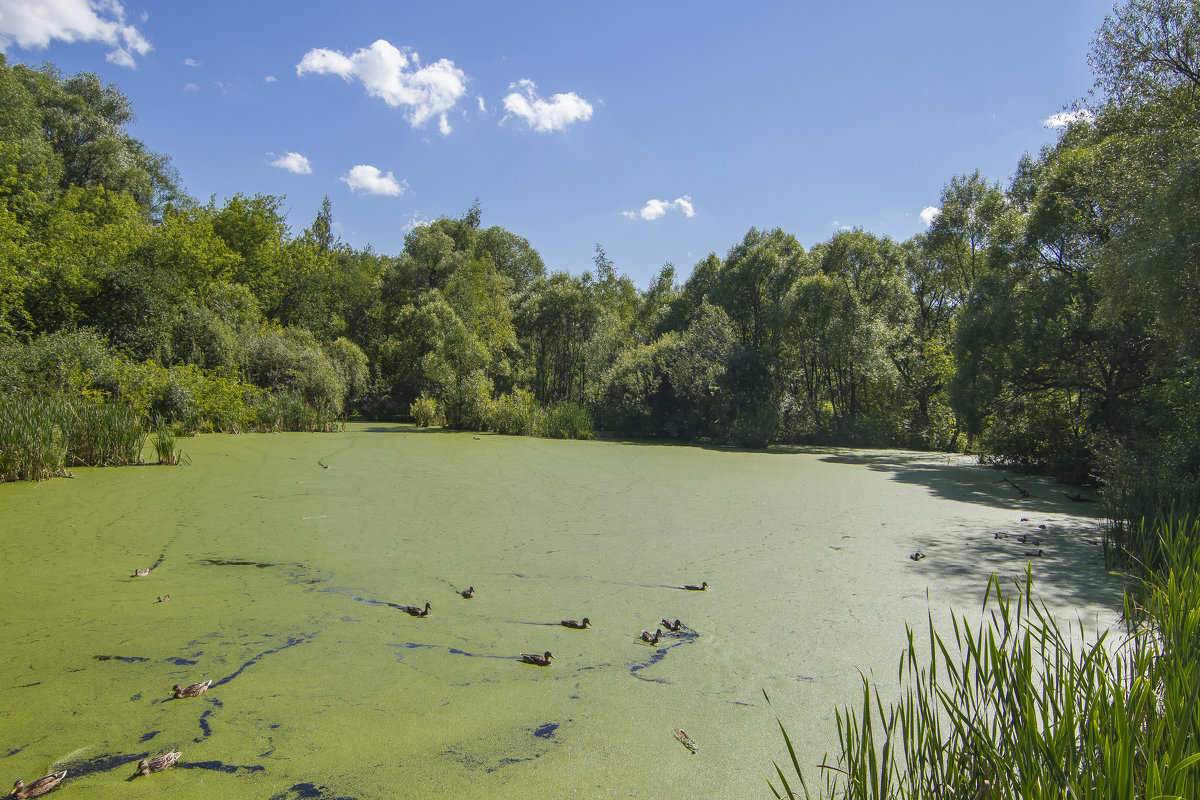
[
  {"x": 426, "y": 412},
  {"x": 567, "y": 421},
  {"x": 164, "y": 444},
  {"x": 1018, "y": 706}
]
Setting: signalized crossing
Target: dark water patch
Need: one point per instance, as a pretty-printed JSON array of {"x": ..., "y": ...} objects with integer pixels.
[
  {"x": 98, "y": 764},
  {"x": 522, "y": 622},
  {"x": 182, "y": 662},
  {"x": 457, "y": 652},
  {"x": 205, "y": 728},
  {"x": 148, "y": 736},
  {"x": 126, "y": 659},
  {"x": 135, "y": 697},
  {"x": 291, "y": 642},
  {"x": 407, "y": 646},
  {"x": 368, "y": 600},
  {"x": 220, "y": 766},
  {"x": 505, "y": 762},
  {"x": 687, "y": 638},
  {"x": 545, "y": 731},
  {"x": 309, "y": 791},
  {"x": 14, "y": 752},
  {"x": 27, "y": 685},
  {"x": 161, "y": 557},
  {"x": 216, "y": 562}
]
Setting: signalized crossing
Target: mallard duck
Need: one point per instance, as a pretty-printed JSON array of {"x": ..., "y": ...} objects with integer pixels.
[
  {"x": 1001, "y": 535},
  {"x": 576, "y": 624},
  {"x": 699, "y": 588},
  {"x": 417, "y": 611},
  {"x": 141, "y": 573},
  {"x": 672, "y": 626},
  {"x": 917, "y": 556},
  {"x": 158, "y": 763},
  {"x": 646, "y": 637},
  {"x": 1033, "y": 555},
  {"x": 164, "y": 598},
  {"x": 195, "y": 690},
  {"x": 534, "y": 658},
  {"x": 469, "y": 593},
  {"x": 38, "y": 787}
]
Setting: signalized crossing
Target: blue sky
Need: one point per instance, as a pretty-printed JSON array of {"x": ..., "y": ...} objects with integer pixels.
[{"x": 662, "y": 131}]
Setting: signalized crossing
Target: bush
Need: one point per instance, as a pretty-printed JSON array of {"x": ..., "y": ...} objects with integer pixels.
[
  {"x": 567, "y": 421},
  {"x": 426, "y": 412},
  {"x": 517, "y": 414}
]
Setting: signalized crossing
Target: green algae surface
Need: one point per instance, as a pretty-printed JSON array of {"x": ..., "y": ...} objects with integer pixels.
[{"x": 290, "y": 560}]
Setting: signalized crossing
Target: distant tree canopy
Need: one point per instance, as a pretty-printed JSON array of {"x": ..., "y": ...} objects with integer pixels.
[{"x": 1053, "y": 323}]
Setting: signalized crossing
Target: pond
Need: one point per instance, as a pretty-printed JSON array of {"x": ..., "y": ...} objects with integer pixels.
[{"x": 289, "y": 559}]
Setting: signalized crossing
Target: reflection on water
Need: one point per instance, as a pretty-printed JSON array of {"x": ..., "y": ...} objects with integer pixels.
[{"x": 289, "y": 583}]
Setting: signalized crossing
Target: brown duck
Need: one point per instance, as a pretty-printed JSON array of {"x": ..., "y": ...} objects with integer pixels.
[
  {"x": 158, "y": 763},
  {"x": 417, "y": 611},
  {"x": 534, "y": 658},
  {"x": 195, "y": 690},
  {"x": 646, "y": 637},
  {"x": 700, "y": 588},
  {"x": 39, "y": 787},
  {"x": 141, "y": 573},
  {"x": 469, "y": 593},
  {"x": 675, "y": 626},
  {"x": 576, "y": 624}
]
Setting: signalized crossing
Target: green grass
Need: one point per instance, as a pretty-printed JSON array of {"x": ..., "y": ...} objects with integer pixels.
[{"x": 1021, "y": 706}]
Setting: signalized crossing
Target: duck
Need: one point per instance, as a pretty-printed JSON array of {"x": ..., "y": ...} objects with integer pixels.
[
  {"x": 38, "y": 787},
  {"x": 672, "y": 626},
  {"x": 141, "y": 573},
  {"x": 164, "y": 598},
  {"x": 158, "y": 763},
  {"x": 468, "y": 593},
  {"x": 646, "y": 637},
  {"x": 195, "y": 690},
  {"x": 417, "y": 611},
  {"x": 534, "y": 658},
  {"x": 1033, "y": 555},
  {"x": 576, "y": 624},
  {"x": 917, "y": 556},
  {"x": 693, "y": 588},
  {"x": 1000, "y": 535}
]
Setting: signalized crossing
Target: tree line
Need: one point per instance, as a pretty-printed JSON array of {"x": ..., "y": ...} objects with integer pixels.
[{"x": 1052, "y": 323}]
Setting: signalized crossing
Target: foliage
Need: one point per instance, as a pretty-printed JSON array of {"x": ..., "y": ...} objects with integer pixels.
[{"x": 567, "y": 421}]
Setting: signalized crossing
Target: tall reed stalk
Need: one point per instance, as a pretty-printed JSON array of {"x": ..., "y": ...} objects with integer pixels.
[
  {"x": 42, "y": 437},
  {"x": 1019, "y": 707}
]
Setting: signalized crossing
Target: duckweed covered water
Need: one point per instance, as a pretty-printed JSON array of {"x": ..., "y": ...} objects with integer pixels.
[{"x": 289, "y": 560}]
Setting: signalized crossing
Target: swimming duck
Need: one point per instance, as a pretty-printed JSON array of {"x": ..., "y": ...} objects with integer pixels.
[
  {"x": 158, "y": 763},
  {"x": 534, "y": 658},
  {"x": 576, "y": 624},
  {"x": 1033, "y": 555},
  {"x": 672, "y": 626},
  {"x": 699, "y": 588},
  {"x": 164, "y": 598},
  {"x": 417, "y": 611},
  {"x": 917, "y": 556},
  {"x": 1000, "y": 535},
  {"x": 646, "y": 637},
  {"x": 141, "y": 573},
  {"x": 469, "y": 593},
  {"x": 195, "y": 690},
  {"x": 38, "y": 787}
]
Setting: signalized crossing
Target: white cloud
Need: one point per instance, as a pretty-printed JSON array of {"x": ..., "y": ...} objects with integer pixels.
[
  {"x": 444, "y": 125},
  {"x": 384, "y": 70},
  {"x": 554, "y": 114},
  {"x": 929, "y": 214},
  {"x": 191, "y": 62},
  {"x": 191, "y": 87},
  {"x": 271, "y": 79},
  {"x": 482, "y": 105},
  {"x": 656, "y": 208},
  {"x": 1064, "y": 118},
  {"x": 369, "y": 180},
  {"x": 36, "y": 24},
  {"x": 415, "y": 220},
  {"x": 292, "y": 162}
]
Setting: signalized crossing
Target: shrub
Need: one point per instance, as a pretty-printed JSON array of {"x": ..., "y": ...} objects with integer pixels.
[
  {"x": 517, "y": 414},
  {"x": 567, "y": 421},
  {"x": 426, "y": 412}
]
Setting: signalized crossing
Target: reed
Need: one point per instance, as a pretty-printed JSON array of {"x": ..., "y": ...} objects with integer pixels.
[
  {"x": 41, "y": 437},
  {"x": 164, "y": 443},
  {"x": 1019, "y": 706}
]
